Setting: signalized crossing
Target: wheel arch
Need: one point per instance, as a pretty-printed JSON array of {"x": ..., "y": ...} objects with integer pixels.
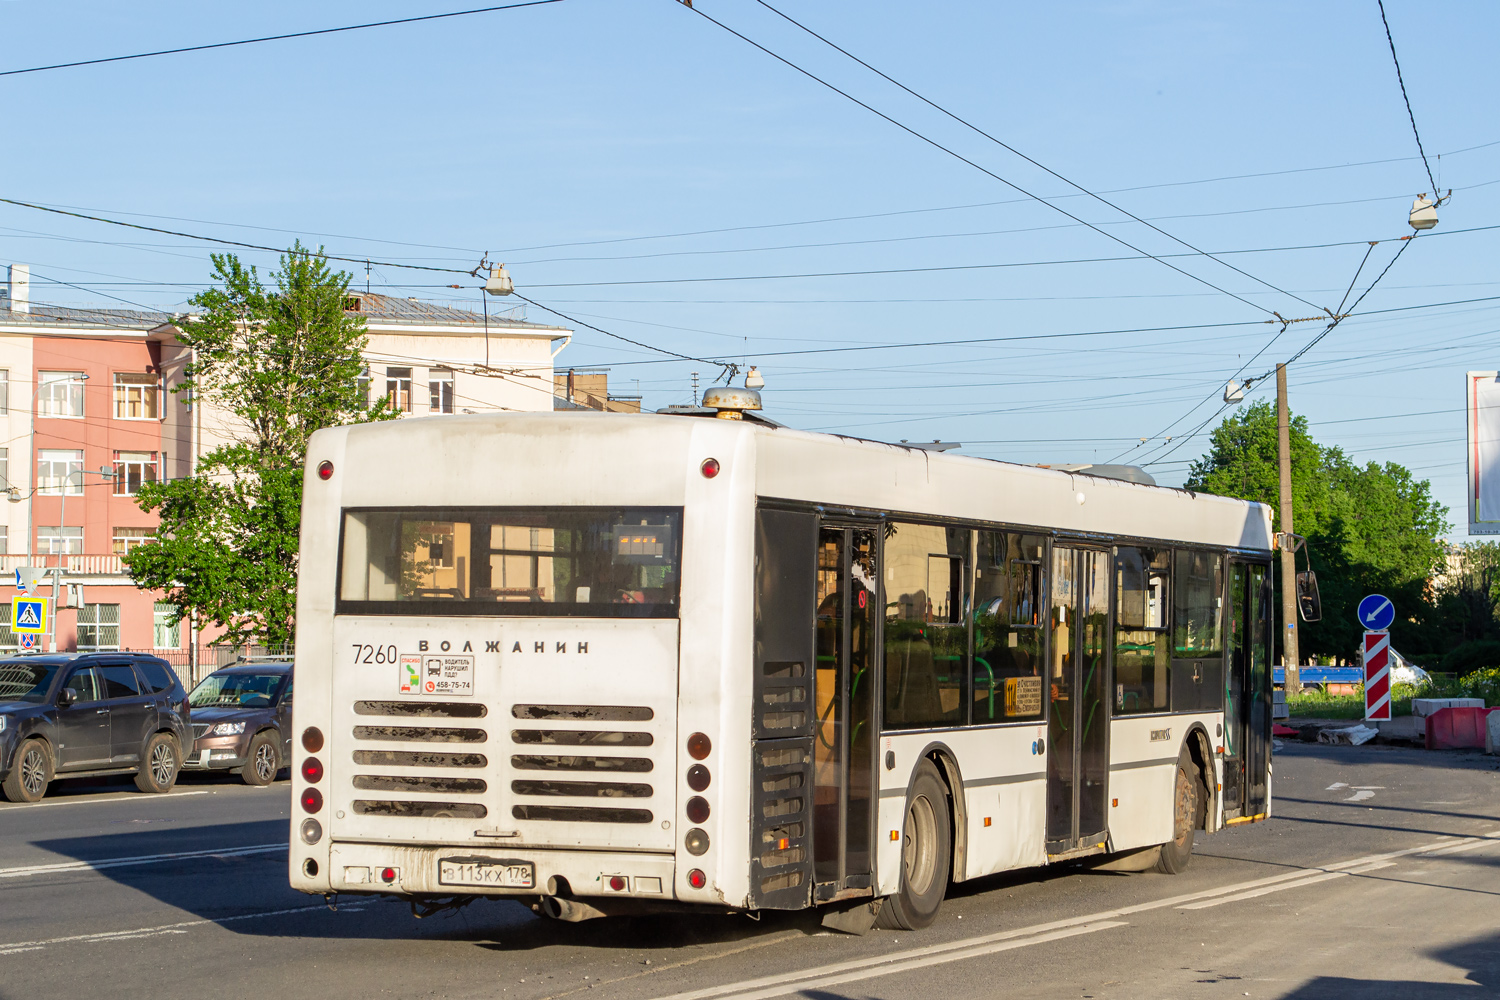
[
  {"x": 1198, "y": 746},
  {"x": 958, "y": 814}
]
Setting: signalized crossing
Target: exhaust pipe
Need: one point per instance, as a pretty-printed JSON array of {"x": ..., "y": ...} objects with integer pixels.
[{"x": 568, "y": 910}]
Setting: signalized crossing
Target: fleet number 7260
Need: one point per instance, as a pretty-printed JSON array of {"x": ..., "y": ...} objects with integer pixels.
[{"x": 364, "y": 653}]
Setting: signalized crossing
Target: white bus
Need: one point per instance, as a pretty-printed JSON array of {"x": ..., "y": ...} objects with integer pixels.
[{"x": 609, "y": 662}]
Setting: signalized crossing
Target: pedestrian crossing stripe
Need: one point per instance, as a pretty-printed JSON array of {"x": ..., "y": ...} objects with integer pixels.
[{"x": 28, "y": 614}]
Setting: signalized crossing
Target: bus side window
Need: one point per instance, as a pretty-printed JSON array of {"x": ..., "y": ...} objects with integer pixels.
[
  {"x": 1007, "y": 627},
  {"x": 926, "y": 635},
  {"x": 1142, "y": 659}
]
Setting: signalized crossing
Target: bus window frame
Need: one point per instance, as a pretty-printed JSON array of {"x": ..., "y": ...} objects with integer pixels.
[{"x": 485, "y": 609}]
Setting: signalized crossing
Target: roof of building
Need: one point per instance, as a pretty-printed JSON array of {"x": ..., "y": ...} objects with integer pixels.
[{"x": 373, "y": 306}]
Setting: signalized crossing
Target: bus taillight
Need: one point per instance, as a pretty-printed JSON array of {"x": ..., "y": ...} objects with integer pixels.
[
  {"x": 697, "y": 809},
  {"x": 696, "y": 842},
  {"x": 312, "y": 770},
  {"x": 698, "y": 746},
  {"x": 698, "y": 777},
  {"x": 312, "y": 739},
  {"x": 312, "y": 800},
  {"x": 697, "y": 879}
]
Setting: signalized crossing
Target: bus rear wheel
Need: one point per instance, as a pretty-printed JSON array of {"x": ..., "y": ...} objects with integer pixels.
[
  {"x": 926, "y": 854},
  {"x": 1177, "y": 852}
]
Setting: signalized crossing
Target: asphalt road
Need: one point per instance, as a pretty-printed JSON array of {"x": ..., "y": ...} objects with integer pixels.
[{"x": 1379, "y": 877}]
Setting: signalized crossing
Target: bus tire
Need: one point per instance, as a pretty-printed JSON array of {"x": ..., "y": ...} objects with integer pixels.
[
  {"x": 926, "y": 854},
  {"x": 1177, "y": 852}
]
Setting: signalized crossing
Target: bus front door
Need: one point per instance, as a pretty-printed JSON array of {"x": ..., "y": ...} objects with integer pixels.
[
  {"x": 1078, "y": 720},
  {"x": 843, "y": 744},
  {"x": 1247, "y": 692}
]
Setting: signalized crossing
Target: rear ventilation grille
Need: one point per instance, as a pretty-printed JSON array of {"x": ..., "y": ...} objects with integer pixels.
[
  {"x": 402, "y": 783},
  {"x": 418, "y": 758},
  {"x": 551, "y": 762},
  {"x": 419, "y": 734},
  {"x": 584, "y": 713},
  {"x": 782, "y": 705},
  {"x": 420, "y": 810},
  {"x": 581, "y": 814},
  {"x": 421, "y": 709},
  {"x": 780, "y": 867},
  {"x": 586, "y": 793}
]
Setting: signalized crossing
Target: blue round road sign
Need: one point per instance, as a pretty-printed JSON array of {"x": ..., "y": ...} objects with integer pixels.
[{"x": 1376, "y": 613}]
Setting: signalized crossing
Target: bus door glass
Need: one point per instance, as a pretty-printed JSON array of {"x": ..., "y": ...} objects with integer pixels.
[
  {"x": 1078, "y": 726},
  {"x": 847, "y": 585},
  {"x": 1247, "y": 691}
]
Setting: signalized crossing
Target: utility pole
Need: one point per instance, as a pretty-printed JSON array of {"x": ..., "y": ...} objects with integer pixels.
[{"x": 1289, "y": 660}]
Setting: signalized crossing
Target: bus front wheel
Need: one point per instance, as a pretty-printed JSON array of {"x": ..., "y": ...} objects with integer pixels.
[
  {"x": 1177, "y": 852},
  {"x": 926, "y": 854}
]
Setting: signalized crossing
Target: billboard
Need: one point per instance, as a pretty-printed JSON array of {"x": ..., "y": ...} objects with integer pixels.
[{"x": 1482, "y": 401}]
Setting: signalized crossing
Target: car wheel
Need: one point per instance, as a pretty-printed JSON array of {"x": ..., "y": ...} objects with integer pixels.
[
  {"x": 926, "y": 854},
  {"x": 265, "y": 760},
  {"x": 33, "y": 770},
  {"x": 1177, "y": 852},
  {"x": 158, "y": 771}
]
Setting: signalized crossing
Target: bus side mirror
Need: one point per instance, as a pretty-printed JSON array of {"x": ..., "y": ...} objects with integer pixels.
[{"x": 1309, "y": 604}]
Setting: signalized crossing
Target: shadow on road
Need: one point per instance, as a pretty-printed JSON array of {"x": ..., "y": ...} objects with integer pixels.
[{"x": 1480, "y": 957}]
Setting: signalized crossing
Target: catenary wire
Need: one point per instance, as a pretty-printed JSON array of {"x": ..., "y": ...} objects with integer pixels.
[
  {"x": 1041, "y": 166},
  {"x": 1412, "y": 117},
  {"x": 274, "y": 38},
  {"x": 959, "y": 156}
]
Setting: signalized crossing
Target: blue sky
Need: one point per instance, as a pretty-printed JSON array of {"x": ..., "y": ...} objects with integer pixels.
[{"x": 577, "y": 141}]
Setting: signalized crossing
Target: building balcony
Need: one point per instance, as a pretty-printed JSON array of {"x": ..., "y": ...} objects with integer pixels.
[{"x": 73, "y": 566}]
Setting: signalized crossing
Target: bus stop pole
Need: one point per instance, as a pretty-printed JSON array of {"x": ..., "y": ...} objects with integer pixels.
[{"x": 1289, "y": 659}]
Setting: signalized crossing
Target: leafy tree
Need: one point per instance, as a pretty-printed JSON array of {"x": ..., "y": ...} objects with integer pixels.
[
  {"x": 283, "y": 361},
  {"x": 1370, "y": 529}
]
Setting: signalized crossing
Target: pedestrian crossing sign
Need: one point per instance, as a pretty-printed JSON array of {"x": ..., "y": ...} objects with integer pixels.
[{"x": 28, "y": 615}]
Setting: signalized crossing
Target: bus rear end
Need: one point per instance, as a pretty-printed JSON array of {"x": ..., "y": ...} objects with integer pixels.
[{"x": 488, "y": 665}]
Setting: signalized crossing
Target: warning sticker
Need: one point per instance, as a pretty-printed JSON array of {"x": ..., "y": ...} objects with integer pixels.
[{"x": 437, "y": 673}]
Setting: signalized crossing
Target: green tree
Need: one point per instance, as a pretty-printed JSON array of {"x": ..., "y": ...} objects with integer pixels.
[
  {"x": 283, "y": 362},
  {"x": 1370, "y": 529}
]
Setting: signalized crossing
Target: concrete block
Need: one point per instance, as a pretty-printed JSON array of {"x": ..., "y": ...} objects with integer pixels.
[
  {"x": 1459, "y": 728},
  {"x": 1403, "y": 727},
  {"x": 1492, "y": 733},
  {"x": 1424, "y": 707}
]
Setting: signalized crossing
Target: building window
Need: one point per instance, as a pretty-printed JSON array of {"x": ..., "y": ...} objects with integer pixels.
[
  {"x": 57, "y": 469},
  {"x": 60, "y": 394},
  {"x": 4, "y": 391},
  {"x": 10, "y": 642},
  {"x": 132, "y": 468},
  {"x": 166, "y": 633},
  {"x": 4, "y": 539},
  {"x": 66, "y": 540},
  {"x": 126, "y": 539},
  {"x": 4, "y": 468},
  {"x": 440, "y": 387},
  {"x": 98, "y": 627},
  {"x": 135, "y": 396},
  {"x": 362, "y": 386},
  {"x": 398, "y": 388}
]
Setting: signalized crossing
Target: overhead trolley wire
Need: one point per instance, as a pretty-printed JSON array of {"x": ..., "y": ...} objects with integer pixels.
[
  {"x": 984, "y": 170},
  {"x": 1412, "y": 117},
  {"x": 1041, "y": 166},
  {"x": 275, "y": 38}
]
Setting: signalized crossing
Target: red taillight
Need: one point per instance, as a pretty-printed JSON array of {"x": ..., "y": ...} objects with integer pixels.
[
  {"x": 325, "y": 469},
  {"x": 697, "y": 809},
  {"x": 698, "y": 746},
  {"x": 387, "y": 875},
  {"x": 697, "y": 879},
  {"x": 698, "y": 777},
  {"x": 312, "y": 800},
  {"x": 312, "y": 739},
  {"x": 617, "y": 883},
  {"x": 709, "y": 468},
  {"x": 312, "y": 770}
]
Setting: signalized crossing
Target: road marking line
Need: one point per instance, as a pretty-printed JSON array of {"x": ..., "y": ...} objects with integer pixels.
[
  {"x": 83, "y": 801},
  {"x": 145, "y": 859},
  {"x": 1360, "y": 796},
  {"x": 1037, "y": 934},
  {"x": 177, "y": 928},
  {"x": 1335, "y": 786},
  {"x": 1295, "y": 884},
  {"x": 914, "y": 958},
  {"x": 1459, "y": 848}
]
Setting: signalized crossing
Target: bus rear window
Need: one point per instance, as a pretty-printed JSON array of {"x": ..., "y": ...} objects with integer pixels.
[{"x": 587, "y": 561}]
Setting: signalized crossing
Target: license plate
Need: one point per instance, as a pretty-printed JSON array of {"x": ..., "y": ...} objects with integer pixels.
[{"x": 500, "y": 874}]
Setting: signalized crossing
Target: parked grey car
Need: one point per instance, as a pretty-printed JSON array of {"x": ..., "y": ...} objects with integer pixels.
[
  {"x": 242, "y": 721},
  {"x": 66, "y": 715}
]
